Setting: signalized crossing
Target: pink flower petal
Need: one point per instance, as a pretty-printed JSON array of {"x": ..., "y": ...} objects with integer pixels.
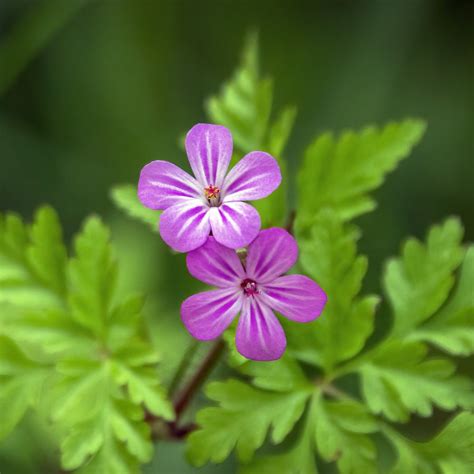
[
  {"x": 209, "y": 149},
  {"x": 215, "y": 265},
  {"x": 255, "y": 176},
  {"x": 259, "y": 333},
  {"x": 207, "y": 315},
  {"x": 296, "y": 297},
  {"x": 234, "y": 224},
  {"x": 271, "y": 254},
  {"x": 163, "y": 184},
  {"x": 185, "y": 226}
]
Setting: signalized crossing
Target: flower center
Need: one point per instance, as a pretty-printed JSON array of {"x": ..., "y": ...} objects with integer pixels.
[
  {"x": 212, "y": 194},
  {"x": 250, "y": 287}
]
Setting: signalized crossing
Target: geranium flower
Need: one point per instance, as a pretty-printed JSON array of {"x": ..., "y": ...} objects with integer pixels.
[
  {"x": 212, "y": 201},
  {"x": 255, "y": 289}
]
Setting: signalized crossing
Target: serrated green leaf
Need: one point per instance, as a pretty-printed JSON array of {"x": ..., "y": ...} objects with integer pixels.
[
  {"x": 111, "y": 459},
  {"x": 90, "y": 407},
  {"x": 273, "y": 209},
  {"x": 50, "y": 330},
  {"x": 244, "y": 105},
  {"x": 82, "y": 395},
  {"x": 125, "y": 198},
  {"x": 280, "y": 131},
  {"x": 282, "y": 375},
  {"x": 111, "y": 443},
  {"x": 419, "y": 282},
  {"x": 329, "y": 256},
  {"x": 450, "y": 452},
  {"x": 86, "y": 333},
  {"x": 14, "y": 236},
  {"x": 341, "y": 435},
  {"x": 242, "y": 420},
  {"x": 92, "y": 277},
  {"x": 299, "y": 459},
  {"x": 124, "y": 319},
  {"x": 143, "y": 387},
  {"x": 234, "y": 358},
  {"x": 339, "y": 173},
  {"x": 452, "y": 328},
  {"x": 398, "y": 379},
  {"x": 81, "y": 443},
  {"x": 21, "y": 381},
  {"x": 47, "y": 254},
  {"x": 132, "y": 430},
  {"x": 20, "y": 283}
]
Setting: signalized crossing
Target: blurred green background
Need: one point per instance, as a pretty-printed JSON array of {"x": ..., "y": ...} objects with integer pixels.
[{"x": 108, "y": 86}]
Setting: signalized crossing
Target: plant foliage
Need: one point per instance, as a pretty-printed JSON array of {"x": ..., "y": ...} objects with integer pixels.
[
  {"x": 77, "y": 352},
  {"x": 74, "y": 349},
  {"x": 397, "y": 375}
]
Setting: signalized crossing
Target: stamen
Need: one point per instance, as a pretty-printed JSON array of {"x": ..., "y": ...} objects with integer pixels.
[
  {"x": 250, "y": 287},
  {"x": 211, "y": 192}
]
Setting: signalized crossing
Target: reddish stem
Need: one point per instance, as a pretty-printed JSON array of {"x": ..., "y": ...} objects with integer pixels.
[
  {"x": 291, "y": 221},
  {"x": 185, "y": 396}
]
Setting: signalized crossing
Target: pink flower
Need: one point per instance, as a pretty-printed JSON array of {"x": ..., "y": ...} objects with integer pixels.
[
  {"x": 255, "y": 290},
  {"x": 212, "y": 200}
]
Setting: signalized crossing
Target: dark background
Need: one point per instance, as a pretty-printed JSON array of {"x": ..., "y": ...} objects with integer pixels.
[
  {"x": 116, "y": 86},
  {"x": 121, "y": 80}
]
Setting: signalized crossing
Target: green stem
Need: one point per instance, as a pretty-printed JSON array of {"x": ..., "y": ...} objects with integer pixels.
[
  {"x": 333, "y": 391},
  {"x": 385, "y": 428}
]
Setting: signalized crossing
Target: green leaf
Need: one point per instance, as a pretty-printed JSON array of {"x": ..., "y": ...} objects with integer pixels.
[
  {"x": 14, "y": 236},
  {"x": 92, "y": 407},
  {"x": 398, "y": 379},
  {"x": 282, "y": 375},
  {"x": 339, "y": 173},
  {"x": 111, "y": 459},
  {"x": 51, "y": 330},
  {"x": 125, "y": 198},
  {"x": 124, "y": 319},
  {"x": 329, "y": 256},
  {"x": 104, "y": 392},
  {"x": 92, "y": 277},
  {"x": 21, "y": 381},
  {"x": 99, "y": 421},
  {"x": 143, "y": 387},
  {"x": 273, "y": 208},
  {"x": 80, "y": 444},
  {"x": 419, "y": 282},
  {"x": 450, "y": 452},
  {"x": 452, "y": 328},
  {"x": 242, "y": 420},
  {"x": 29, "y": 270},
  {"x": 105, "y": 369},
  {"x": 47, "y": 254},
  {"x": 244, "y": 105},
  {"x": 299, "y": 459},
  {"x": 280, "y": 131},
  {"x": 338, "y": 429},
  {"x": 341, "y": 435}
]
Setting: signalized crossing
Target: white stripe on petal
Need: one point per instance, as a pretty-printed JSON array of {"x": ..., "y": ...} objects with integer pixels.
[
  {"x": 259, "y": 334},
  {"x": 209, "y": 147}
]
